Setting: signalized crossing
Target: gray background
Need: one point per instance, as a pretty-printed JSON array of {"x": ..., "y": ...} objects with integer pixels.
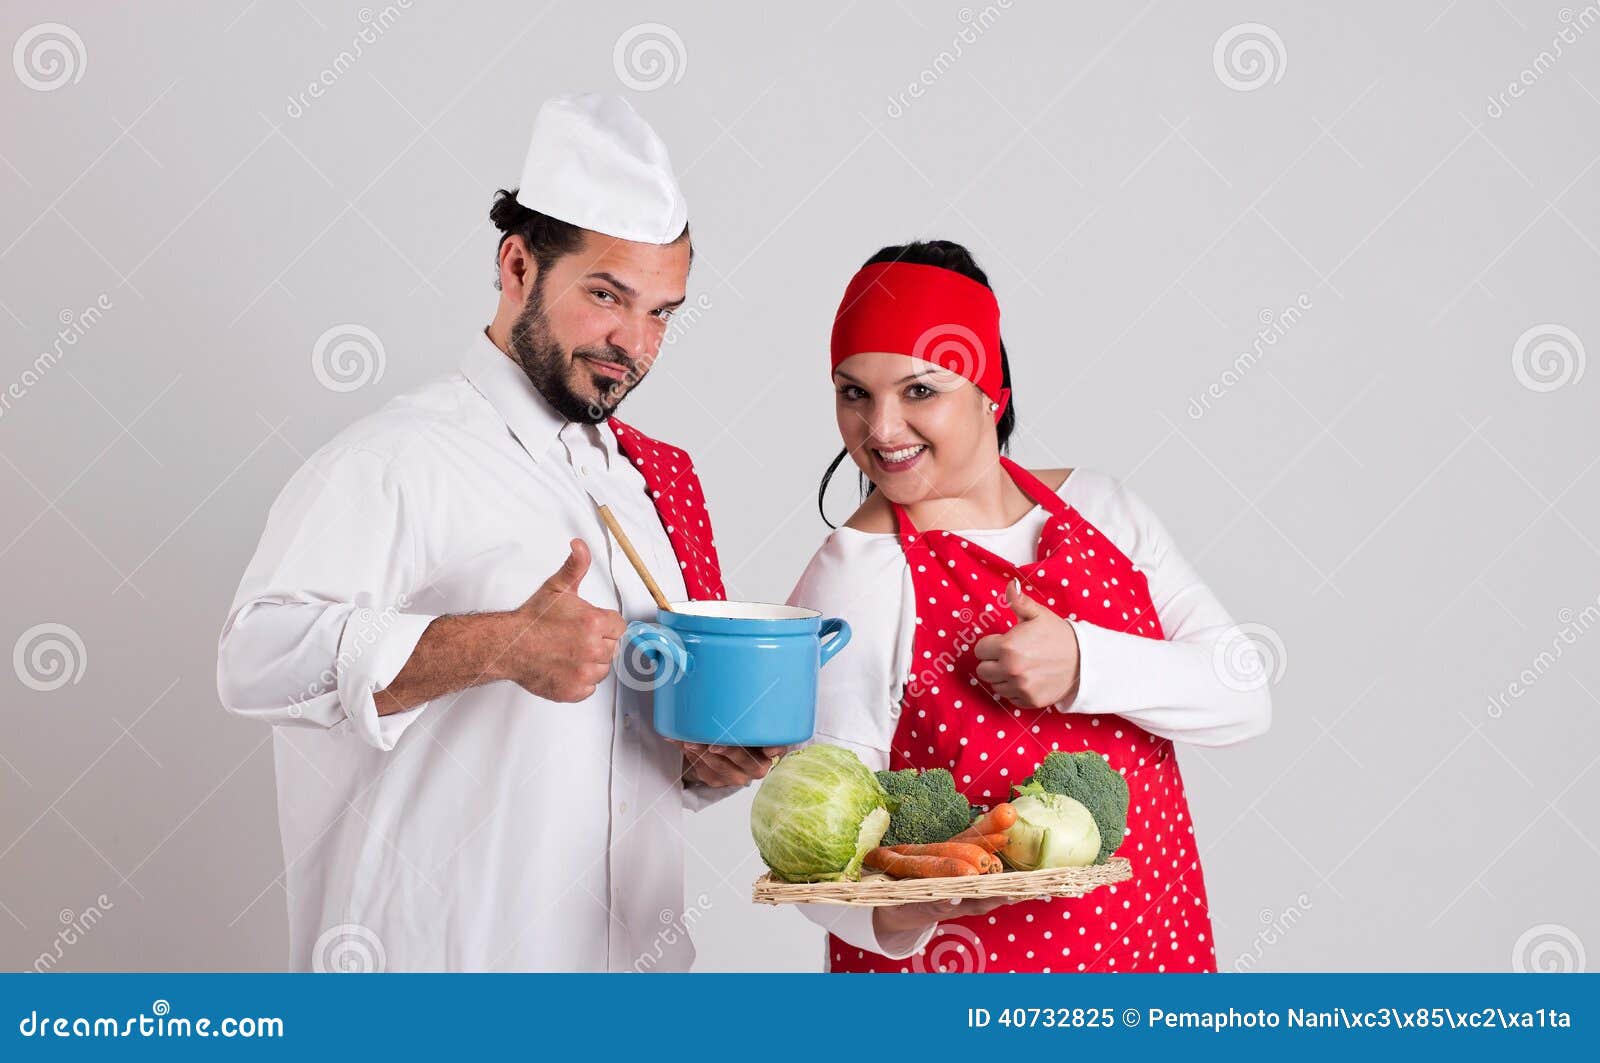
[{"x": 1402, "y": 498}]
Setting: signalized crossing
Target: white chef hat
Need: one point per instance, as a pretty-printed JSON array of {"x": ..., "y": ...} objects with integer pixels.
[{"x": 593, "y": 162}]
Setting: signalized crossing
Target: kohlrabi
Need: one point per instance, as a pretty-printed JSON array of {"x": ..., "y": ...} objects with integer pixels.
[{"x": 1051, "y": 830}]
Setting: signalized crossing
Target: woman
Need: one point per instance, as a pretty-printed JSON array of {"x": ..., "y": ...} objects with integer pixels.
[{"x": 1001, "y": 613}]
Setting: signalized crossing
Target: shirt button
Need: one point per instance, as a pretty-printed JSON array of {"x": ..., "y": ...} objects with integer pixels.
[
  {"x": 623, "y": 807},
  {"x": 583, "y": 470}
]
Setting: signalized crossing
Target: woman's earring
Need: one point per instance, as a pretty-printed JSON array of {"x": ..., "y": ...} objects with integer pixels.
[{"x": 993, "y": 406}]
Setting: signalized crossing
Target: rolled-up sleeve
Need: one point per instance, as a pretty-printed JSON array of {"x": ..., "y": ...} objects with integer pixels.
[{"x": 323, "y": 617}]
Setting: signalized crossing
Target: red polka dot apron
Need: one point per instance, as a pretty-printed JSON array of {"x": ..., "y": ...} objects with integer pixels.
[
  {"x": 670, "y": 478},
  {"x": 1158, "y": 921}
]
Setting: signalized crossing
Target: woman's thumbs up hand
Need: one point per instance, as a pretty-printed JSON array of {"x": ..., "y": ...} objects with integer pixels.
[
  {"x": 1025, "y": 607},
  {"x": 1035, "y": 664}
]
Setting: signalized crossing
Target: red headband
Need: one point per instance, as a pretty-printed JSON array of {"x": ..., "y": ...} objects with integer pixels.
[{"x": 926, "y": 312}]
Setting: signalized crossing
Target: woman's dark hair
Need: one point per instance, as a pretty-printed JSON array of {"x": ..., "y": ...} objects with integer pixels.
[{"x": 949, "y": 255}]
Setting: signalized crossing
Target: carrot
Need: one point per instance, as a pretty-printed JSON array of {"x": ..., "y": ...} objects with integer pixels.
[
  {"x": 997, "y": 841},
  {"x": 997, "y": 819},
  {"x": 976, "y": 855},
  {"x": 989, "y": 843},
  {"x": 901, "y": 866},
  {"x": 960, "y": 850},
  {"x": 993, "y": 842}
]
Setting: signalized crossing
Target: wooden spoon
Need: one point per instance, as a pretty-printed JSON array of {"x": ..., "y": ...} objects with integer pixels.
[{"x": 634, "y": 558}]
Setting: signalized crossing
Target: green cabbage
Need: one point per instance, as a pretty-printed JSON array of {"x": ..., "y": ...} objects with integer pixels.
[
  {"x": 1052, "y": 830},
  {"x": 817, "y": 815}
]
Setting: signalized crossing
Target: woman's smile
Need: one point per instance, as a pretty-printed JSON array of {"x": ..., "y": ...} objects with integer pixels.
[{"x": 898, "y": 459}]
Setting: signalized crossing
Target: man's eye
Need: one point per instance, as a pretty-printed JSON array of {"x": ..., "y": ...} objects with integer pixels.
[
  {"x": 664, "y": 314},
  {"x": 602, "y": 294}
]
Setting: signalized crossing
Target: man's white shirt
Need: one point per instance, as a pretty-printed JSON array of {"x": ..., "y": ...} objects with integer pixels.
[{"x": 488, "y": 829}]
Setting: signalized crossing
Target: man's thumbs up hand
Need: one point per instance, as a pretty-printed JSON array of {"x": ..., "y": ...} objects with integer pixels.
[
  {"x": 571, "y": 572},
  {"x": 1035, "y": 664},
  {"x": 557, "y": 645}
]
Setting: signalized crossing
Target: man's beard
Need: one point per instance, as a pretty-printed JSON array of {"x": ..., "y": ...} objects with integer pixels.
[{"x": 550, "y": 369}]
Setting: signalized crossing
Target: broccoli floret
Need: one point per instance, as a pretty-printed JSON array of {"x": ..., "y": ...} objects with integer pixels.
[
  {"x": 924, "y": 807},
  {"x": 1086, "y": 778}
]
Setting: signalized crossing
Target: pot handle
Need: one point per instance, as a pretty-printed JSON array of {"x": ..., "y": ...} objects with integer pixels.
[
  {"x": 840, "y": 631},
  {"x": 664, "y": 645}
]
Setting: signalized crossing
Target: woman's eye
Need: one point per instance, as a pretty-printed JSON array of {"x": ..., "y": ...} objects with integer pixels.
[
  {"x": 850, "y": 392},
  {"x": 919, "y": 391}
]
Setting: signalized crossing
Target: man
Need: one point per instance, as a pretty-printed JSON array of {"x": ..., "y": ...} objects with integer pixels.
[
  {"x": 430, "y": 619},
  {"x": 431, "y": 615}
]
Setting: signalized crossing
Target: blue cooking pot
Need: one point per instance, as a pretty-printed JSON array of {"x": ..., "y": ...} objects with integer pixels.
[{"x": 732, "y": 673}]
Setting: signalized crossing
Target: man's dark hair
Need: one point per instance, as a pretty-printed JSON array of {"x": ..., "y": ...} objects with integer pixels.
[{"x": 547, "y": 238}]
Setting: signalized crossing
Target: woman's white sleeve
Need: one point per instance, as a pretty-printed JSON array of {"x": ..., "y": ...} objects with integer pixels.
[
  {"x": 862, "y": 579},
  {"x": 1202, "y": 684}
]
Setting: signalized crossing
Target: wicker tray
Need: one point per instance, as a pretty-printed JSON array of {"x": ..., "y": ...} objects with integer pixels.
[{"x": 876, "y": 890}]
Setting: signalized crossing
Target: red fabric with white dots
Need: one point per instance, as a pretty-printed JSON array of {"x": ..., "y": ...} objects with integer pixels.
[
  {"x": 1158, "y": 921},
  {"x": 675, "y": 489}
]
